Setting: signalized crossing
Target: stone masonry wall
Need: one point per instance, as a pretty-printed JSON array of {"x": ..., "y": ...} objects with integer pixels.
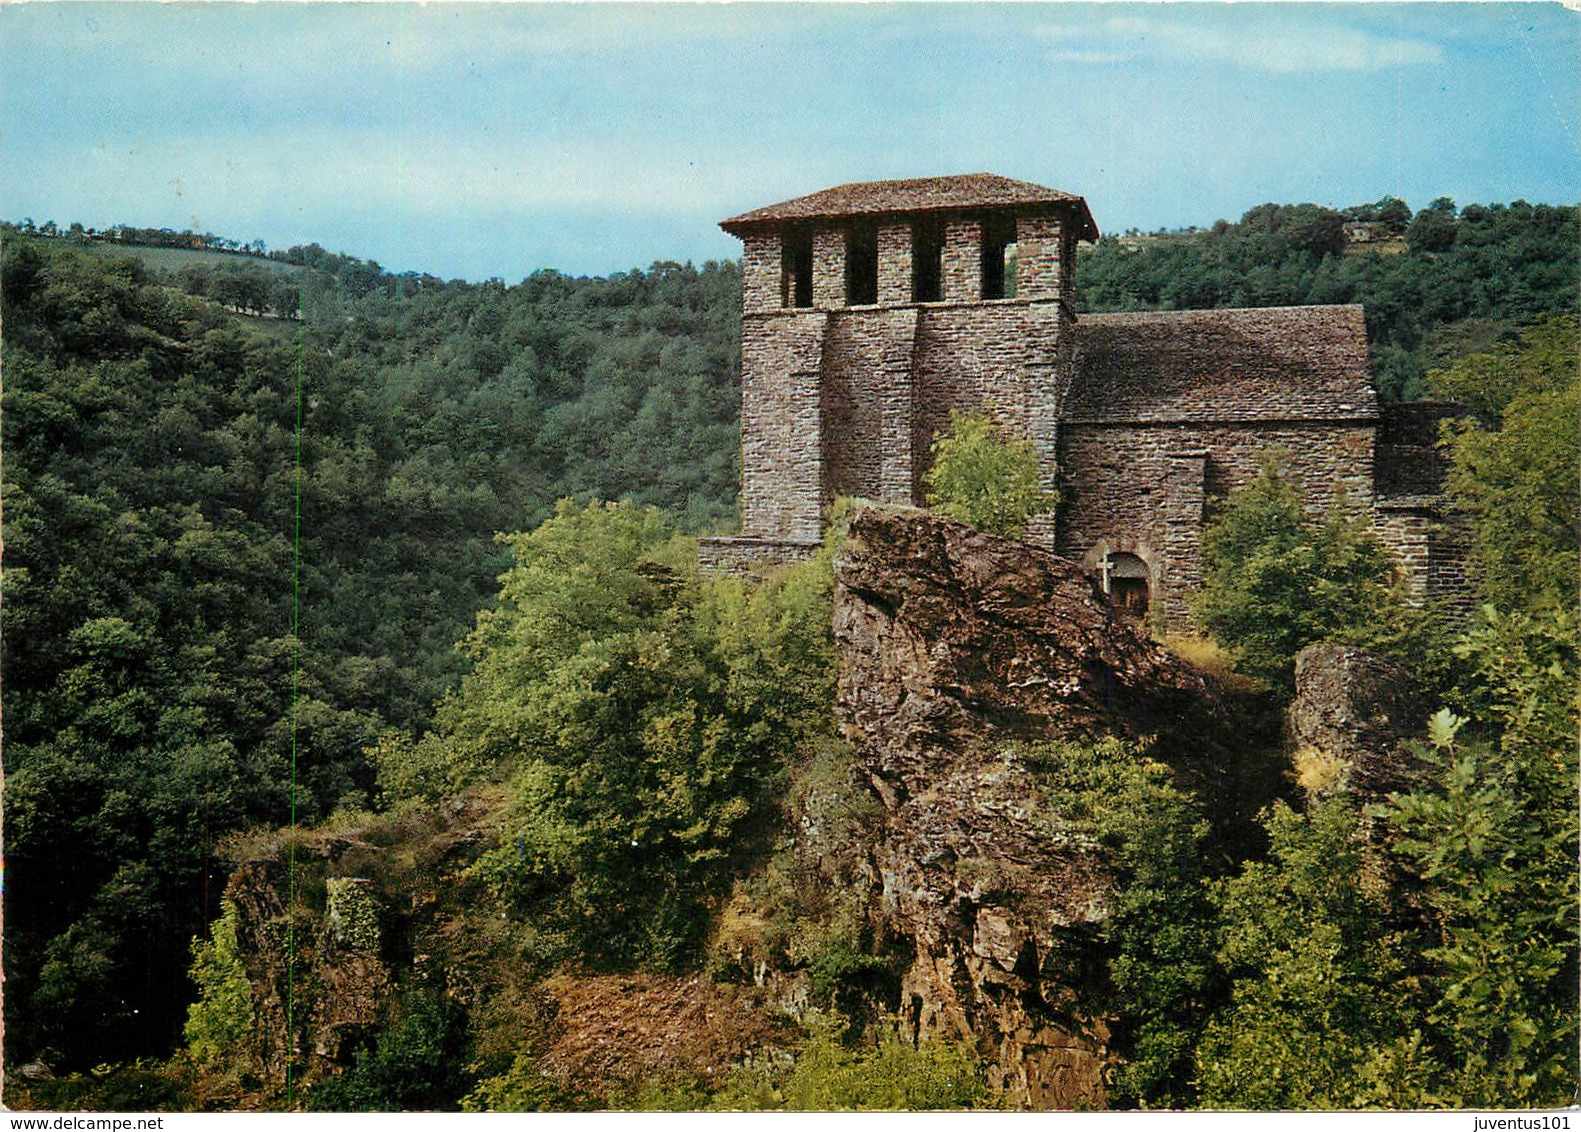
[
  {"x": 1145, "y": 489},
  {"x": 894, "y": 264},
  {"x": 1406, "y": 531},
  {"x": 746, "y": 557},
  {"x": 1002, "y": 359},
  {"x": 828, "y": 267},
  {"x": 961, "y": 273},
  {"x": 1448, "y": 560},
  {"x": 888, "y": 379},
  {"x": 781, "y": 421},
  {"x": 761, "y": 272},
  {"x": 1432, "y": 549},
  {"x": 867, "y": 390},
  {"x": 1040, "y": 247}
]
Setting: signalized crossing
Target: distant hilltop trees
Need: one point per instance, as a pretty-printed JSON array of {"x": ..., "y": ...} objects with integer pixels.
[{"x": 149, "y": 237}]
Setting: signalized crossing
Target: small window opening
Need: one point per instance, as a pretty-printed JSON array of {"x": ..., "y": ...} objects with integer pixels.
[
  {"x": 861, "y": 266},
  {"x": 796, "y": 269},
  {"x": 927, "y": 262},
  {"x": 1126, "y": 580},
  {"x": 999, "y": 236}
]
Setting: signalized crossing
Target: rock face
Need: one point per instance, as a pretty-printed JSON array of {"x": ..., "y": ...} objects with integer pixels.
[
  {"x": 1351, "y": 713},
  {"x": 316, "y": 989},
  {"x": 328, "y": 922},
  {"x": 953, "y": 642}
]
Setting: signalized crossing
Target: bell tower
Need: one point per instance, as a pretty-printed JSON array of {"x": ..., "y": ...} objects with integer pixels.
[{"x": 870, "y": 312}]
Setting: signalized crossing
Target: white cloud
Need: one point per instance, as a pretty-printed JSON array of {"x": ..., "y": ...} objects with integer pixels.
[{"x": 1263, "y": 40}]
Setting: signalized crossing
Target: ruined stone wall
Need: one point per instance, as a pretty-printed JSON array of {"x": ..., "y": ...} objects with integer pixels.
[
  {"x": 781, "y": 420},
  {"x": 1146, "y": 489},
  {"x": 1433, "y": 550},
  {"x": 1406, "y": 531}
]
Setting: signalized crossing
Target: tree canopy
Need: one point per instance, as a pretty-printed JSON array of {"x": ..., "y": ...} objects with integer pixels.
[{"x": 983, "y": 477}]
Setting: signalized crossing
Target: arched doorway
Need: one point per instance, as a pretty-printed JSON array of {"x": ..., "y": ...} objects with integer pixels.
[{"x": 1128, "y": 582}]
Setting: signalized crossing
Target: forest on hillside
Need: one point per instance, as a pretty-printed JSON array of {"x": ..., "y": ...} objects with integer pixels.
[{"x": 249, "y": 515}]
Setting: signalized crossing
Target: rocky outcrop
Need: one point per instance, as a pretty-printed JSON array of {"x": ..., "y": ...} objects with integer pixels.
[
  {"x": 953, "y": 643},
  {"x": 329, "y": 923},
  {"x": 1352, "y": 713}
]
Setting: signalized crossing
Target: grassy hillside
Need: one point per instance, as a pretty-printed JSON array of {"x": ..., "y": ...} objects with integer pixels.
[{"x": 173, "y": 260}]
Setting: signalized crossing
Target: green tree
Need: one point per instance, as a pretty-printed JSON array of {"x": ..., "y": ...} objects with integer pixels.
[
  {"x": 1159, "y": 937},
  {"x": 1434, "y": 228},
  {"x": 1517, "y": 482},
  {"x": 983, "y": 477},
  {"x": 1394, "y": 214},
  {"x": 1542, "y": 360},
  {"x": 646, "y": 717},
  {"x": 1320, "y": 1012},
  {"x": 1454, "y": 984},
  {"x": 417, "y": 1063},
  {"x": 1275, "y": 581},
  {"x": 1500, "y": 881},
  {"x": 1493, "y": 842},
  {"x": 222, "y": 1015}
]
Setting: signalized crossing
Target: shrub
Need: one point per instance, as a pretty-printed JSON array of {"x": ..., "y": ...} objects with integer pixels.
[
  {"x": 417, "y": 1064},
  {"x": 893, "y": 1075},
  {"x": 982, "y": 477},
  {"x": 1159, "y": 933},
  {"x": 1320, "y": 1014},
  {"x": 1275, "y": 581},
  {"x": 650, "y": 716},
  {"x": 219, "y": 1021}
]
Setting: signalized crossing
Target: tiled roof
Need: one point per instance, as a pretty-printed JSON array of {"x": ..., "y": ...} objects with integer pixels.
[
  {"x": 919, "y": 194},
  {"x": 1282, "y": 363}
]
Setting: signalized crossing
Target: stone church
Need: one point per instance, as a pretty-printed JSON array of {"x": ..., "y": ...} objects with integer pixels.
[{"x": 870, "y": 311}]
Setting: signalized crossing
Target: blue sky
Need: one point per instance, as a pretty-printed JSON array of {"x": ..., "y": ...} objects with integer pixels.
[{"x": 479, "y": 140}]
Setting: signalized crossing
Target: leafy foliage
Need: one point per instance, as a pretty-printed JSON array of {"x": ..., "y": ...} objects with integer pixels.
[
  {"x": 648, "y": 718},
  {"x": 1343, "y": 999},
  {"x": 521, "y": 1088},
  {"x": 1159, "y": 934},
  {"x": 150, "y": 494},
  {"x": 1496, "y": 845},
  {"x": 1517, "y": 482},
  {"x": 982, "y": 477},
  {"x": 892, "y": 1074},
  {"x": 219, "y": 1019},
  {"x": 1319, "y": 1015},
  {"x": 1275, "y": 581},
  {"x": 419, "y": 1064},
  {"x": 143, "y": 1085}
]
